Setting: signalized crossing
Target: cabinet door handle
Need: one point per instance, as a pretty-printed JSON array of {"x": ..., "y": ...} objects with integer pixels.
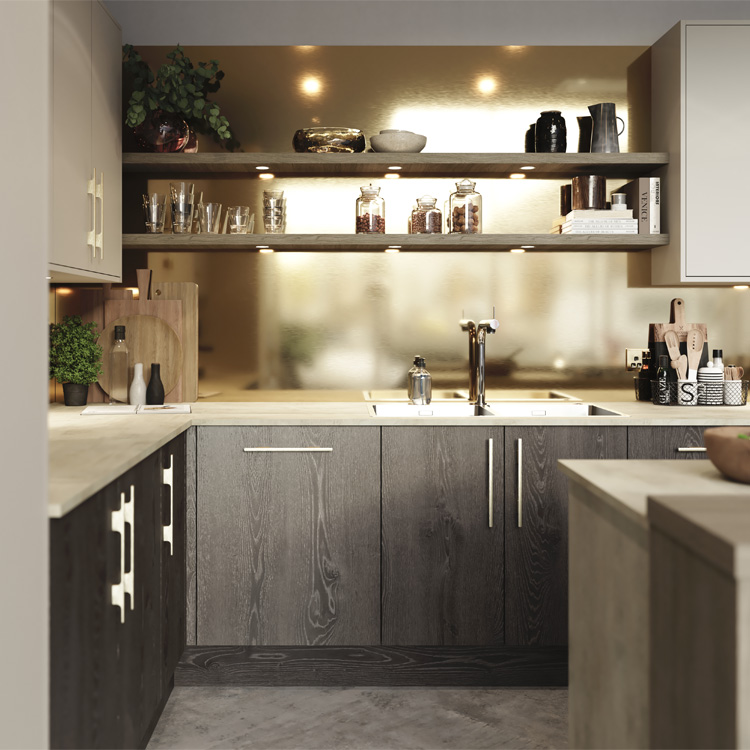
[
  {"x": 288, "y": 450},
  {"x": 129, "y": 577},
  {"x": 91, "y": 237},
  {"x": 99, "y": 237},
  {"x": 167, "y": 478},
  {"x": 520, "y": 482},
  {"x": 695, "y": 449},
  {"x": 490, "y": 481},
  {"x": 118, "y": 526}
]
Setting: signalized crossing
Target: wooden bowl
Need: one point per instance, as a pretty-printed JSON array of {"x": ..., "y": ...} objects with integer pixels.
[{"x": 729, "y": 453}]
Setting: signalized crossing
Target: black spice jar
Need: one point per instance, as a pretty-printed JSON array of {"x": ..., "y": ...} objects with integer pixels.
[
  {"x": 530, "y": 140},
  {"x": 551, "y": 133},
  {"x": 155, "y": 389}
]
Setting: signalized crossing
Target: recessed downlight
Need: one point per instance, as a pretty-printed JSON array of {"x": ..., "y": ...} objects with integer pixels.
[
  {"x": 394, "y": 167},
  {"x": 528, "y": 166},
  {"x": 260, "y": 169},
  {"x": 741, "y": 286},
  {"x": 528, "y": 247}
]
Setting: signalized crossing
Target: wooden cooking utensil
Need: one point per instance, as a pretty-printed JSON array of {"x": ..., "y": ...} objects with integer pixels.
[
  {"x": 681, "y": 365},
  {"x": 677, "y": 323},
  {"x": 673, "y": 344},
  {"x": 695, "y": 341}
]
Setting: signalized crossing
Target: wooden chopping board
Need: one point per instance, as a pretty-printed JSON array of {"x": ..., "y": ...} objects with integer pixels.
[
  {"x": 677, "y": 323},
  {"x": 187, "y": 292},
  {"x": 149, "y": 339}
]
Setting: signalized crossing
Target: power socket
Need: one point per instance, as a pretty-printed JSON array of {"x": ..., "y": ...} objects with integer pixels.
[{"x": 633, "y": 359}]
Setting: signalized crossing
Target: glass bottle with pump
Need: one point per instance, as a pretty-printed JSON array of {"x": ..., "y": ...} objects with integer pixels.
[
  {"x": 118, "y": 368},
  {"x": 419, "y": 383},
  {"x": 370, "y": 211},
  {"x": 466, "y": 209}
]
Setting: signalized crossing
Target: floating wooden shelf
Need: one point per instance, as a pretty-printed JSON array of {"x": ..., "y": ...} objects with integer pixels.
[
  {"x": 380, "y": 242},
  {"x": 546, "y": 166}
]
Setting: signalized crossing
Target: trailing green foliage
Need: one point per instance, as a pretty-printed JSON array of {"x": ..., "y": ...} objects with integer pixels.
[
  {"x": 179, "y": 88},
  {"x": 74, "y": 355}
]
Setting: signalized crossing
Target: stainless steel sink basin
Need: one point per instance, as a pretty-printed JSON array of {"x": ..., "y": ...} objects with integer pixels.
[
  {"x": 451, "y": 394},
  {"x": 515, "y": 409}
]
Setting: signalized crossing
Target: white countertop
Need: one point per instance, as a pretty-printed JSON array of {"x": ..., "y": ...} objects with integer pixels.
[{"x": 88, "y": 452}]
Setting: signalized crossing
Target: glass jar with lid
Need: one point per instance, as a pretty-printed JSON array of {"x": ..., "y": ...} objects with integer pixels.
[
  {"x": 466, "y": 209},
  {"x": 426, "y": 218},
  {"x": 370, "y": 211}
]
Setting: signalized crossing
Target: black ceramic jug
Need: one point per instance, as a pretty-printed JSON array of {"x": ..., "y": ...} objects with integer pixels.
[
  {"x": 604, "y": 129},
  {"x": 550, "y": 134}
]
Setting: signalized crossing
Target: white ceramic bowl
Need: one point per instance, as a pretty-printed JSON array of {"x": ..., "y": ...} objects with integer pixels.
[{"x": 398, "y": 142}]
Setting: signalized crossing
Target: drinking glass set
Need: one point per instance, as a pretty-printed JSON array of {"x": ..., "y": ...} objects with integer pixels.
[{"x": 187, "y": 214}]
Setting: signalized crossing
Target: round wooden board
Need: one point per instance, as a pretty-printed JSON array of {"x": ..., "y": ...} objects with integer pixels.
[{"x": 149, "y": 339}]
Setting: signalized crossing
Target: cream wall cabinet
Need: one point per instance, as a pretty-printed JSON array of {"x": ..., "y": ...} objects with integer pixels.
[
  {"x": 700, "y": 70},
  {"x": 86, "y": 238}
]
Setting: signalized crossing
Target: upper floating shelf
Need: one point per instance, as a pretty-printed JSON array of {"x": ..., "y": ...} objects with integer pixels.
[{"x": 549, "y": 166}]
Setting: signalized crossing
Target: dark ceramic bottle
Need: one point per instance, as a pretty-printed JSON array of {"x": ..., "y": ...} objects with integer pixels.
[
  {"x": 551, "y": 134},
  {"x": 155, "y": 389}
]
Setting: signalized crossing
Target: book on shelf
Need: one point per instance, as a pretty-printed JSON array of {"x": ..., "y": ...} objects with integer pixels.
[
  {"x": 571, "y": 230},
  {"x": 598, "y": 213},
  {"x": 556, "y": 229},
  {"x": 623, "y": 224},
  {"x": 644, "y": 196}
]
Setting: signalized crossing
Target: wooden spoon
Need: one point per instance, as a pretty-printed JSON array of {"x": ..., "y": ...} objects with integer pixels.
[
  {"x": 681, "y": 365},
  {"x": 695, "y": 341}
]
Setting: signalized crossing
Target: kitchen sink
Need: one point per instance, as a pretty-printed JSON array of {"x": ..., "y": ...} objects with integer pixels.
[
  {"x": 453, "y": 394},
  {"x": 514, "y": 409}
]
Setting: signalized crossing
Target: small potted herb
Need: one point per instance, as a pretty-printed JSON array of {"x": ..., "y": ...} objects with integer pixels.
[
  {"x": 164, "y": 106},
  {"x": 75, "y": 359}
]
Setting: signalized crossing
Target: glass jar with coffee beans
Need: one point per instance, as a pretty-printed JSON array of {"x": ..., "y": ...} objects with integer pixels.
[
  {"x": 370, "y": 211},
  {"x": 466, "y": 209},
  {"x": 426, "y": 218}
]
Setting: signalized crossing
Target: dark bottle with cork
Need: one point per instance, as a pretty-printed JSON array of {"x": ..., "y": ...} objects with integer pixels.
[
  {"x": 155, "y": 389},
  {"x": 660, "y": 386}
]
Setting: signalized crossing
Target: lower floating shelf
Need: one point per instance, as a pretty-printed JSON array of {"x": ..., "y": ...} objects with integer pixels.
[{"x": 402, "y": 242}]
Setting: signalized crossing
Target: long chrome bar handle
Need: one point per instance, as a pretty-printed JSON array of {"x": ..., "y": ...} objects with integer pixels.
[
  {"x": 91, "y": 236},
  {"x": 99, "y": 237},
  {"x": 167, "y": 477},
  {"x": 288, "y": 450},
  {"x": 129, "y": 577},
  {"x": 696, "y": 449},
  {"x": 118, "y": 526},
  {"x": 490, "y": 481},
  {"x": 520, "y": 482}
]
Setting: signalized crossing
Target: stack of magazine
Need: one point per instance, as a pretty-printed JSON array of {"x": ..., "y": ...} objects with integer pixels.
[{"x": 593, "y": 221}]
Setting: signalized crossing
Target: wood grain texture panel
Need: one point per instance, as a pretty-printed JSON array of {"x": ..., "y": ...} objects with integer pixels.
[
  {"x": 191, "y": 540},
  {"x": 448, "y": 666},
  {"x": 442, "y": 565},
  {"x": 558, "y": 166},
  {"x": 663, "y": 442},
  {"x": 693, "y": 650},
  {"x": 288, "y": 543},
  {"x": 407, "y": 242},
  {"x": 536, "y": 555}
]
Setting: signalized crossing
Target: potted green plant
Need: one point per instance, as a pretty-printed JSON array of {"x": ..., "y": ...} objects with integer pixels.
[
  {"x": 177, "y": 93},
  {"x": 75, "y": 359}
]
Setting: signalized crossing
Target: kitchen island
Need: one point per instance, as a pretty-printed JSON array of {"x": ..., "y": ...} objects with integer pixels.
[{"x": 659, "y": 607}]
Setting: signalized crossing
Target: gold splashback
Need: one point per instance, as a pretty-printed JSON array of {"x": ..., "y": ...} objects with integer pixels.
[{"x": 349, "y": 320}]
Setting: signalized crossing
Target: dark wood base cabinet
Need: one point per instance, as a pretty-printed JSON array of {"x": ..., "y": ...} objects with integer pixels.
[{"x": 112, "y": 665}]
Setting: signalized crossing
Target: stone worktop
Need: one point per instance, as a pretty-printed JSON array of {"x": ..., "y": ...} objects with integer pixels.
[{"x": 88, "y": 452}]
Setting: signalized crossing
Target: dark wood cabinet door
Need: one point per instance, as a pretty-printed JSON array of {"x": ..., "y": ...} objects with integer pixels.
[
  {"x": 666, "y": 442},
  {"x": 86, "y": 693},
  {"x": 172, "y": 526},
  {"x": 536, "y": 554},
  {"x": 442, "y": 563},
  {"x": 288, "y": 537}
]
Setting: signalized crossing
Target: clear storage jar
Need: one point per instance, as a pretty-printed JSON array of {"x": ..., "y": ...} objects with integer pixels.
[
  {"x": 466, "y": 209},
  {"x": 370, "y": 211},
  {"x": 426, "y": 218}
]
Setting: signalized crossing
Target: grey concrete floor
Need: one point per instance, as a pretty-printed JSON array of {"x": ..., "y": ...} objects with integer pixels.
[{"x": 303, "y": 718}]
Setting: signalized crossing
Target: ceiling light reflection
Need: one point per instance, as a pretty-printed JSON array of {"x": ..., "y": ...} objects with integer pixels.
[
  {"x": 517, "y": 176},
  {"x": 486, "y": 84},
  {"x": 311, "y": 85},
  {"x": 266, "y": 176}
]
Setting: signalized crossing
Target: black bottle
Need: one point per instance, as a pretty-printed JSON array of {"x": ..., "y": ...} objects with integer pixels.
[
  {"x": 644, "y": 378},
  {"x": 155, "y": 389},
  {"x": 660, "y": 385}
]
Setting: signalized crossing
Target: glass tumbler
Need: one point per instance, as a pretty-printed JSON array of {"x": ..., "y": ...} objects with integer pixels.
[
  {"x": 238, "y": 220},
  {"x": 208, "y": 217},
  {"x": 155, "y": 209},
  {"x": 183, "y": 203},
  {"x": 274, "y": 211}
]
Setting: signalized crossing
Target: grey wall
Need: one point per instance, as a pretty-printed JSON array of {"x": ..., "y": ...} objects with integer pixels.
[
  {"x": 450, "y": 22},
  {"x": 24, "y": 206}
]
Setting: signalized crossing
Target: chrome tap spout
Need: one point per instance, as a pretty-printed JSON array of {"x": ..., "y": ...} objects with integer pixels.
[{"x": 477, "y": 339}]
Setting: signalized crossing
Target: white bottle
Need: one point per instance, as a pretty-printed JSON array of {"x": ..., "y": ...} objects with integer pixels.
[{"x": 138, "y": 386}]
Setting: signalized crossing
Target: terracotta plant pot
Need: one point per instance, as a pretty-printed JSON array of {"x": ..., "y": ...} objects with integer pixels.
[
  {"x": 75, "y": 394},
  {"x": 729, "y": 453}
]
